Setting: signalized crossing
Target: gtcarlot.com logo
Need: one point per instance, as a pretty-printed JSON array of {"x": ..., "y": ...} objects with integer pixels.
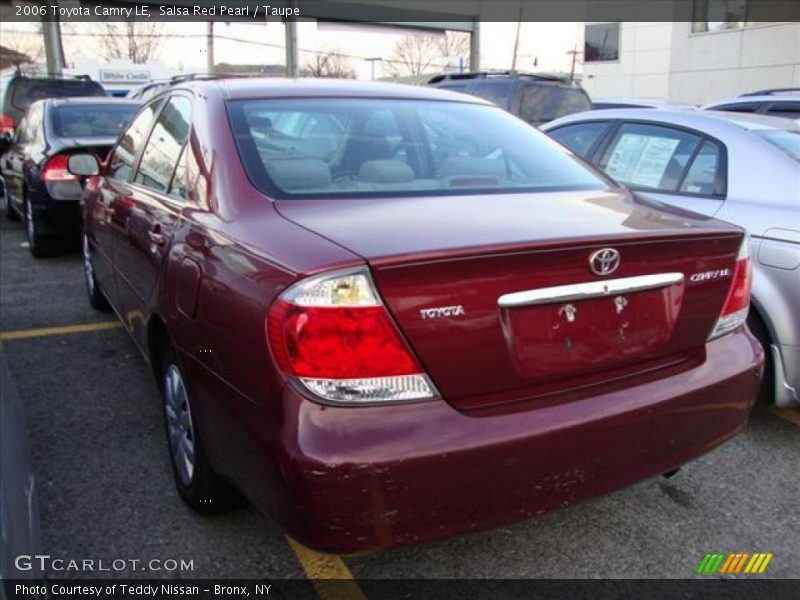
[
  {"x": 44, "y": 562},
  {"x": 734, "y": 563}
]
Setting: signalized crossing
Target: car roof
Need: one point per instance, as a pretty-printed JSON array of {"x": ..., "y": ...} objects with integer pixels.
[
  {"x": 781, "y": 97},
  {"x": 708, "y": 121},
  {"x": 279, "y": 87},
  {"x": 640, "y": 101}
]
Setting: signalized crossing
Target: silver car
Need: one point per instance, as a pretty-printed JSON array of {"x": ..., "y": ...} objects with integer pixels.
[
  {"x": 741, "y": 168},
  {"x": 774, "y": 103}
]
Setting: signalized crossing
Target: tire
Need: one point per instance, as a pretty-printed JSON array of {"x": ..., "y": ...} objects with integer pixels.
[
  {"x": 97, "y": 299},
  {"x": 11, "y": 214},
  {"x": 766, "y": 393},
  {"x": 40, "y": 245},
  {"x": 197, "y": 483}
]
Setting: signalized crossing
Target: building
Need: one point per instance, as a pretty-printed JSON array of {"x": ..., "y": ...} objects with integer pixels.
[{"x": 693, "y": 62}]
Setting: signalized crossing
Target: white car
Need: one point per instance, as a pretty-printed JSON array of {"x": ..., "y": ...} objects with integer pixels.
[{"x": 784, "y": 103}]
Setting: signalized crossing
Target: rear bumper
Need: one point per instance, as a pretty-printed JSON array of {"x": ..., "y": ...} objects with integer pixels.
[{"x": 359, "y": 479}]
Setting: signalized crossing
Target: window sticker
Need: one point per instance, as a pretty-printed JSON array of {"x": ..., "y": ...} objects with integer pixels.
[{"x": 641, "y": 159}]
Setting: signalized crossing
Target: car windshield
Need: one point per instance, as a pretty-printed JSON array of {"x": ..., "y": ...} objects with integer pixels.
[
  {"x": 91, "y": 120},
  {"x": 324, "y": 147},
  {"x": 787, "y": 141}
]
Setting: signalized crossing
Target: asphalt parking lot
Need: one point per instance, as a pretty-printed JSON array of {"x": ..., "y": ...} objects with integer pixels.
[{"x": 105, "y": 486}]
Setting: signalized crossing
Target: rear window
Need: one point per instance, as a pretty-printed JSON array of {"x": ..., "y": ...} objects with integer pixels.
[
  {"x": 787, "y": 141},
  {"x": 91, "y": 120},
  {"x": 28, "y": 91},
  {"x": 373, "y": 147},
  {"x": 543, "y": 103},
  {"x": 496, "y": 92}
]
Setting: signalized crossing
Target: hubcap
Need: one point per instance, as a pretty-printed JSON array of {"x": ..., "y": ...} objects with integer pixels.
[
  {"x": 88, "y": 269},
  {"x": 179, "y": 424},
  {"x": 29, "y": 224}
]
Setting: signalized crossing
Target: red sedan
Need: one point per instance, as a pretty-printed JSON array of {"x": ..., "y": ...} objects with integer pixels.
[{"x": 390, "y": 314}]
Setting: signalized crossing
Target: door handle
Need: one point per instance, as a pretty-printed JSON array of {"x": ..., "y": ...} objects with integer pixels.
[{"x": 157, "y": 238}]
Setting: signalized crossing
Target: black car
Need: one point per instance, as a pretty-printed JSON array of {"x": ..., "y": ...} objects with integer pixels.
[
  {"x": 22, "y": 91},
  {"x": 39, "y": 188},
  {"x": 535, "y": 98}
]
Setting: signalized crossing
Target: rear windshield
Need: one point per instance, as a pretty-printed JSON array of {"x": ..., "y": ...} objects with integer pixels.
[
  {"x": 28, "y": 91},
  {"x": 788, "y": 141},
  {"x": 91, "y": 120},
  {"x": 337, "y": 147},
  {"x": 496, "y": 92},
  {"x": 543, "y": 103}
]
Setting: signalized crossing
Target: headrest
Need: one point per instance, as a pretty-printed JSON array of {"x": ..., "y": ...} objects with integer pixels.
[
  {"x": 299, "y": 173},
  {"x": 385, "y": 171}
]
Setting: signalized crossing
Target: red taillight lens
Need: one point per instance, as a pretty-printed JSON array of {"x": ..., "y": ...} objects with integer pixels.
[
  {"x": 56, "y": 169},
  {"x": 737, "y": 302},
  {"x": 6, "y": 123},
  {"x": 337, "y": 343},
  {"x": 333, "y": 334}
]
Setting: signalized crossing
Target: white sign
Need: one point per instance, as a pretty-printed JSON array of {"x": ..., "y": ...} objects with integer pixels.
[
  {"x": 124, "y": 76},
  {"x": 641, "y": 159}
]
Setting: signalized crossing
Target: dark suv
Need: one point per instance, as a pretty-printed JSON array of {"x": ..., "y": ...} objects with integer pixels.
[
  {"x": 534, "y": 98},
  {"x": 22, "y": 91}
]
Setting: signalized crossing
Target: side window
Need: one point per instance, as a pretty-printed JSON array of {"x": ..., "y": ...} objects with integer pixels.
[
  {"x": 749, "y": 107},
  {"x": 165, "y": 145},
  {"x": 580, "y": 137},
  {"x": 22, "y": 131},
  {"x": 705, "y": 175},
  {"x": 649, "y": 156},
  {"x": 786, "y": 110},
  {"x": 130, "y": 144}
]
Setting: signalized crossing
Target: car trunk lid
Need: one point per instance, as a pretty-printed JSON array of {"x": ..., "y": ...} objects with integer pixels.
[{"x": 477, "y": 286}]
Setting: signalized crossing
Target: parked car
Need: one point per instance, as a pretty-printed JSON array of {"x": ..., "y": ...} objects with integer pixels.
[
  {"x": 424, "y": 320},
  {"x": 605, "y": 103},
  {"x": 40, "y": 189},
  {"x": 784, "y": 103},
  {"x": 741, "y": 168},
  {"x": 22, "y": 90},
  {"x": 534, "y": 98}
]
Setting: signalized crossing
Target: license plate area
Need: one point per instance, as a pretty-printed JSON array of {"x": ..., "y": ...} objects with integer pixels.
[{"x": 582, "y": 335}]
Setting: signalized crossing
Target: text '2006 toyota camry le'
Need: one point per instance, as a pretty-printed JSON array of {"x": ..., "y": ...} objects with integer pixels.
[{"x": 390, "y": 314}]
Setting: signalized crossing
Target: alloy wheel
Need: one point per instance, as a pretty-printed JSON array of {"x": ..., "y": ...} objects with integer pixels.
[{"x": 179, "y": 424}]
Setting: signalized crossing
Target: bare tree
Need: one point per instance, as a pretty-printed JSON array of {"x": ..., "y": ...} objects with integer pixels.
[
  {"x": 328, "y": 63},
  {"x": 137, "y": 41},
  {"x": 21, "y": 48},
  {"x": 415, "y": 54}
]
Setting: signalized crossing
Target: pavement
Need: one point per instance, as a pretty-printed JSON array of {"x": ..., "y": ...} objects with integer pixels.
[{"x": 106, "y": 492}]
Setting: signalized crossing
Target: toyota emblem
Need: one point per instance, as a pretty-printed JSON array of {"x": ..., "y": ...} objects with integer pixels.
[{"x": 604, "y": 262}]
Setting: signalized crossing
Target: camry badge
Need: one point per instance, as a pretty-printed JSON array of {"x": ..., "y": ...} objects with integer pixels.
[{"x": 604, "y": 262}]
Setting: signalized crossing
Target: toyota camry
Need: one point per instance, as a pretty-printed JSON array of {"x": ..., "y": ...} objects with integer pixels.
[{"x": 389, "y": 314}]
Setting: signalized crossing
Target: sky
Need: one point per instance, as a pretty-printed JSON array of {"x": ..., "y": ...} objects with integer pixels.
[{"x": 183, "y": 47}]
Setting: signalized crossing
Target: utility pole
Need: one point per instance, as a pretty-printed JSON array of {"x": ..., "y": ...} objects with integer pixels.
[
  {"x": 372, "y": 60},
  {"x": 210, "y": 48},
  {"x": 575, "y": 54},
  {"x": 516, "y": 42}
]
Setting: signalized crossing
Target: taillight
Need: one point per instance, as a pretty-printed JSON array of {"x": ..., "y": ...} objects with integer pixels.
[
  {"x": 737, "y": 302},
  {"x": 334, "y": 335},
  {"x": 56, "y": 169},
  {"x": 6, "y": 123}
]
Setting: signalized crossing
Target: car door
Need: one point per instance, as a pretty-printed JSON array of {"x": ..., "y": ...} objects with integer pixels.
[
  {"x": 152, "y": 215},
  {"x": 15, "y": 159},
  {"x": 670, "y": 164},
  {"x": 106, "y": 222}
]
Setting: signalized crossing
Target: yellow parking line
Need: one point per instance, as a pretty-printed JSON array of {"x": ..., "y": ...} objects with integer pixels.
[
  {"x": 21, "y": 334},
  {"x": 330, "y": 577},
  {"x": 787, "y": 414}
]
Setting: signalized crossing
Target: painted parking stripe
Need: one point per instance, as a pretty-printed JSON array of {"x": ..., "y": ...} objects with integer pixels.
[
  {"x": 331, "y": 578},
  {"x": 787, "y": 414},
  {"x": 22, "y": 334}
]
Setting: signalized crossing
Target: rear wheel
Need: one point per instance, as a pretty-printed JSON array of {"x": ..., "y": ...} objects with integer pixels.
[
  {"x": 11, "y": 214},
  {"x": 199, "y": 486},
  {"x": 96, "y": 297},
  {"x": 39, "y": 245}
]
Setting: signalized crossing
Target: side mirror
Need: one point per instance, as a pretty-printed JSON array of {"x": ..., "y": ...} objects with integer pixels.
[{"x": 83, "y": 165}]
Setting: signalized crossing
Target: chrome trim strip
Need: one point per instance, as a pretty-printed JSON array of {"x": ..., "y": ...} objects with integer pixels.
[{"x": 590, "y": 289}]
